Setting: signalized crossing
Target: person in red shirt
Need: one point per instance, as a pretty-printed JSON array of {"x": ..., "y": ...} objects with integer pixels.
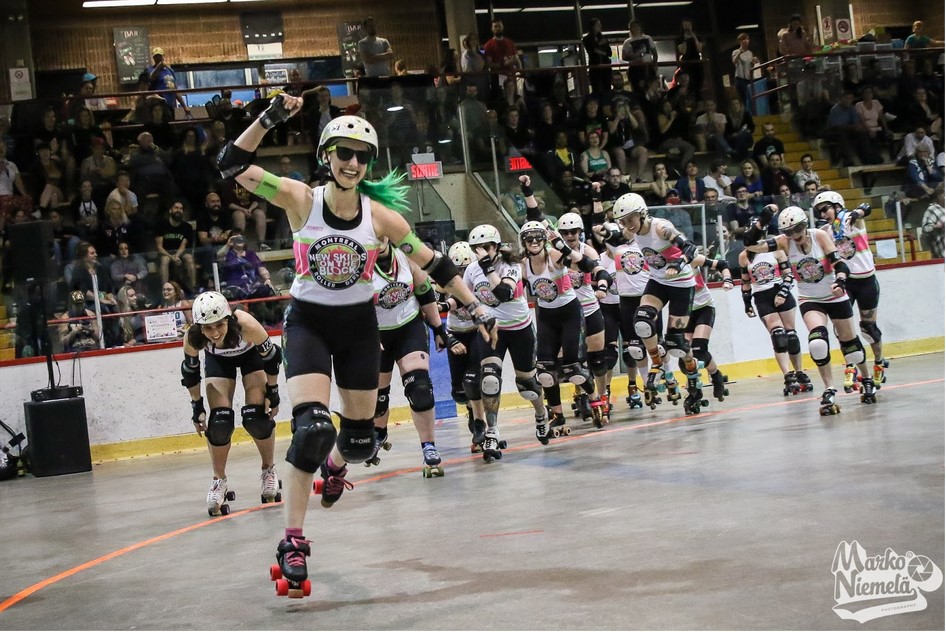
[{"x": 500, "y": 54}]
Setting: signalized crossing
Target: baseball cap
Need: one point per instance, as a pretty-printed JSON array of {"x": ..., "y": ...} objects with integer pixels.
[
  {"x": 89, "y": 77},
  {"x": 157, "y": 50}
]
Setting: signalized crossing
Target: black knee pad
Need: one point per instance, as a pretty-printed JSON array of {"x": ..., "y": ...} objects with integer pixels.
[
  {"x": 676, "y": 342},
  {"x": 256, "y": 422},
  {"x": 529, "y": 388},
  {"x": 597, "y": 364},
  {"x": 492, "y": 381},
  {"x": 819, "y": 346},
  {"x": 610, "y": 356},
  {"x": 546, "y": 374},
  {"x": 220, "y": 426},
  {"x": 384, "y": 401},
  {"x": 645, "y": 321},
  {"x": 700, "y": 349},
  {"x": 794, "y": 344},
  {"x": 419, "y": 390},
  {"x": 853, "y": 351},
  {"x": 355, "y": 439},
  {"x": 871, "y": 331},
  {"x": 313, "y": 435},
  {"x": 779, "y": 340},
  {"x": 471, "y": 386},
  {"x": 459, "y": 395},
  {"x": 575, "y": 373}
]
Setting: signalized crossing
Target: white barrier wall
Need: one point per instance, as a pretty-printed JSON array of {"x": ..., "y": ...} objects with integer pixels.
[{"x": 138, "y": 395}]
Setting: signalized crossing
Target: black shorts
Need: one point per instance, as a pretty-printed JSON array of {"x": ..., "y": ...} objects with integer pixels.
[
  {"x": 594, "y": 323},
  {"x": 520, "y": 343},
  {"x": 765, "y": 302},
  {"x": 397, "y": 343},
  {"x": 612, "y": 322},
  {"x": 629, "y": 306},
  {"x": 864, "y": 292},
  {"x": 705, "y": 315},
  {"x": 835, "y": 311},
  {"x": 560, "y": 328},
  {"x": 226, "y": 366},
  {"x": 318, "y": 338},
  {"x": 461, "y": 363},
  {"x": 679, "y": 299}
]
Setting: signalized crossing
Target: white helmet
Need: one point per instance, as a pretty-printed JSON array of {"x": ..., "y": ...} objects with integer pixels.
[
  {"x": 484, "y": 234},
  {"x": 210, "y": 308},
  {"x": 828, "y": 196},
  {"x": 351, "y": 127},
  {"x": 532, "y": 228},
  {"x": 628, "y": 204},
  {"x": 570, "y": 221},
  {"x": 461, "y": 254},
  {"x": 790, "y": 217}
]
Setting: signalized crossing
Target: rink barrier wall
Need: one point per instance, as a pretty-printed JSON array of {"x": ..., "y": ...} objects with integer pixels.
[{"x": 136, "y": 406}]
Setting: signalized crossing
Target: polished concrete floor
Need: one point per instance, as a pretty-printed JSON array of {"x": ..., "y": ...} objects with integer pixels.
[{"x": 728, "y": 520}]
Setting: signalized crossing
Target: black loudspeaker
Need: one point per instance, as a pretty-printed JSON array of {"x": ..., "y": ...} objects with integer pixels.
[
  {"x": 31, "y": 247},
  {"x": 58, "y": 436}
]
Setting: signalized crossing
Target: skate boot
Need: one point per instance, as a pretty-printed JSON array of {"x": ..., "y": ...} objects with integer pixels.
[
  {"x": 478, "y": 430},
  {"x": 581, "y": 404},
  {"x": 694, "y": 399},
  {"x": 868, "y": 391},
  {"x": 217, "y": 498},
  {"x": 432, "y": 465},
  {"x": 720, "y": 391},
  {"x": 673, "y": 389},
  {"x": 827, "y": 405},
  {"x": 332, "y": 483},
  {"x": 291, "y": 574},
  {"x": 804, "y": 382},
  {"x": 850, "y": 378},
  {"x": 650, "y": 388},
  {"x": 599, "y": 411},
  {"x": 492, "y": 447},
  {"x": 558, "y": 427},
  {"x": 633, "y": 393},
  {"x": 879, "y": 375},
  {"x": 270, "y": 486},
  {"x": 380, "y": 443},
  {"x": 791, "y": 384}
]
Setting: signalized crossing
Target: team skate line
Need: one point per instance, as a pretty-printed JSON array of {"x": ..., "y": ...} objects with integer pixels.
[{"x": 26, "y": 592}]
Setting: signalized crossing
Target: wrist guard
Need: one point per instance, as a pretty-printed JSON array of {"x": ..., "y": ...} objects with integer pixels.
[
  {"x": 784, "y": 290},
  {"x": 276, "y": 113},
  {"x": 486, "y": 265},
  {"x": 676, "y": 264},
  {"x": 272, "y": 394},
  {"x": 197, "y": 408},
  {"x": 485, "y": 320},
  {"x": 747, "y": 300},
  {"x": 526, "y": 190},
  {"x": 233, "y": 160}
]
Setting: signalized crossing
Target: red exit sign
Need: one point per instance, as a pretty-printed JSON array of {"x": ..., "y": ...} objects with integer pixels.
[
  {"x": 517, "y": 163},
  {"x": 426, "y": 171}
]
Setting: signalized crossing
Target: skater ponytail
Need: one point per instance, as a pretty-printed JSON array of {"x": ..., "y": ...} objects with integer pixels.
[{"x": 387, "y": 191}]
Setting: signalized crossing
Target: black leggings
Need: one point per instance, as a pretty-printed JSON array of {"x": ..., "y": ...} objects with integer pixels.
[
  {"x": 461, "y": 363},
  {"x": 520, "y": 343},
  {"x": 561, "y": 328},
  {"x": 612, "y": 323}
]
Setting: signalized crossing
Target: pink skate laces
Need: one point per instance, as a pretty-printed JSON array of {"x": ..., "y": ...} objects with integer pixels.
[
  {"x": 336, "y": 482},
  {"x": 297, "y": 556}
]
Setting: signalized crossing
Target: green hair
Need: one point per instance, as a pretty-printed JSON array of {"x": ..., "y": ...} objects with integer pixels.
[{"x": 388, "y": 191}]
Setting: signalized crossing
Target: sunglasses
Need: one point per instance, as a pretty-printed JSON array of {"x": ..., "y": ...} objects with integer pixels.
[
  {"x": 795, "y": 230},
  {"x": 346, "y": 153},
  {"x": 568, "y": 233},
  {"x": 535, "y": 239}
]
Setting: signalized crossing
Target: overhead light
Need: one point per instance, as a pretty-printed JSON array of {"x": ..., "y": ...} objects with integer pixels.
[
  {"x": 548, "y": 50},
  {"x": 395, "y": 108},
  {"x": 623, "y": 32},
  {"x": 548, "y": 9},
  {"x": 746, "y": 27},
  {"x": 444, "y": 141},
  {"x": 594, "y": 7},
  {"x": 245, "y": 0},
  {"x": 680, "y": 3},
  {"x": 102, "y": 4},
  {"x": 167, "y": 2}
]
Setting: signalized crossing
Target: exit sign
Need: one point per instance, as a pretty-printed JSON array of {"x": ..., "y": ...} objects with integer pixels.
[
  {"x": 425, "y": 171},
  {"x": 517, "y": 163}
]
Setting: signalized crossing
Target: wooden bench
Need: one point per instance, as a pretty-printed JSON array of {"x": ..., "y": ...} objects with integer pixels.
[{"x": 870, "y": 173}]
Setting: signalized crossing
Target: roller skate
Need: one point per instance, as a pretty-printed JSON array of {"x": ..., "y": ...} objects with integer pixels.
[
  {"x": 432, "y": 465},
  {"x": 650, "y": 388},
  {"x": 633, "y": 393},
  {"x": 270, "y": 486},
  {"x": 478, "y": 430},
  {"x": 599, "y": 411},
  {"x": 720, "y": 391},
  {"x": 792, "y": 387},
  {"x": 804, "y": 382},
  {"x": 581, "y": 405},
  {"x": 827, "y": 405},
  {"x": 492, "y": 447},
  {"x": 380, "y": 442},
  {"x": 332, "y": 483},
  {"x": 291, "y": 574},
  {"x": 558, "y": 427},
  {"x": 694, "y": 399},
  {"x": 673, "y": 388},
  {"x": 880, "y": 375},
  {"x": 868, "y": 391},
  {"x": 542, "y": 430},
  {"x": 850, "y": 378},
  {"x": 217, "y": 498}
]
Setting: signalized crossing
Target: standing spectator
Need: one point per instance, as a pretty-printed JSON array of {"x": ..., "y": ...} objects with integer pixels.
[
  {"x": 739, "y": 128},
  {"x": 475, "y": 123},
  {"x": 99, "y": 168},
  {"x": 742, "y": 61},
  {"x": 128, "y": 269},
  {"x": 794, "y": 39},
  {"x": 213, "y": 232},
  {"x": 189, "y": 169},
  {"x": 85, "y": 214},
  {"x": 776, "y": 175},
  {"x": 11, "y": 183},
  {"x": 243, "y": 206},
  {"x": 640, "y": 51},
  {"x": 375, "y": 52},
  {"x": 174, "y": 240},
  {"x": 847, "y": 130},
  {"x": 717, "y": 179},
  {"x": 473, "y": 62},
  {"x": 767, "y": 145},
  {"x": 917, "y": 39},
  {"x": 806, "y": 173},
  {"x": 872, "y": 115},
  {"x": 933, "y": 223},
  {"x": 690, "y": 187},
  {"x": 922, "y": 175},
  {"x": 545, "y": 129},
  {"x": 598, "y": 51},
  {"x": 689, "y": 54},
  {"x": 713, "y": 124},
  {"x": 911, "y": 141},
  {"x": 161, "y": 77},
  {"x": 88, "y": 266},
  {"x": 501, "y": 55},
  {"x": 149, "y": 170}
]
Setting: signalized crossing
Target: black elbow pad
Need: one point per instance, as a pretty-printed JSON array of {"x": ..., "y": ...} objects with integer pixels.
[
  {"x": 441, "y": 269},
  {"x": 503, "y": 292},
  {"x": 587, "y": 264}
]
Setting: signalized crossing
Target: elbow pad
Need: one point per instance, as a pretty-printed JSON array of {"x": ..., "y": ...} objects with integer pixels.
[
  {"x": 784, "y": 268},
  {"x": 190, "y": 371},
  {"x": 503, "y": 292},
  {"x": 602, "y": 275},
  {"x": 233, "y": 160},
  {"x": 771, "y": 244},
  {"x": 587, "y": 264},
  {"x": 272, "y": 356},
  {"x": 425, "y": 293},
  {"x": 688, "y": 249},
  {"x": 441, "y": 270},
  {"x": 841, "y": 268},
  {"x": 720, "y": 265},
  {"x": 615, "y": 237}
]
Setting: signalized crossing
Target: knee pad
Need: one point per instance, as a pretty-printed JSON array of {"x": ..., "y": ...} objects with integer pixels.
[
  {"x": 471, "y": 386},
  {"x": 779, "y": 340},
  {"x": 256, "y": 422},
  {"x": 661, "y": 349},
  {"x": 355, "y": 439},
  {"x": 700, "y": 349},
  {"x": 597, "y": 364},
  {"x": 853, "y": 351},
  {"x": 313, "y": 436},
  {"x": 610, "y": 354},
  {"x": 492, "y": 382},
  {"x": 220, "y": 426},
  {"x": 636, "y": 350},
  {"x": 529, "y": 388},
  {"x": 794, "y": 344},
  {"x": 645, "y": 322},
  {"x": 676, "y": 343},
  {"x": 459, "y": 395},
  {"x": 419, "y": 390},
  {"x": 546, "y": 374},
  {"x": 384, "y": 401},
  {"x": 870, "y": 331},
  {"x": 575, "y": 373},
  {"x": 819, "y": 346}
]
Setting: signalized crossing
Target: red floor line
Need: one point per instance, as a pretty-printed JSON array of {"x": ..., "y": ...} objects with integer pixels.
[{"x": 26, "y": 592}]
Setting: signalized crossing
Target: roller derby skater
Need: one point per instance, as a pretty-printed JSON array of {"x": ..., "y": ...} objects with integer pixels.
[
  {"x": 232, "y": 341},
  {"x": 822, "y": 278},
  {"x": 767, "y": 280},
  {"x": 611, "y": 310},
  {"x": 849, "y": 231},
  {"x": 699, "y": 328},
  {"x": 331, "y": 327}
]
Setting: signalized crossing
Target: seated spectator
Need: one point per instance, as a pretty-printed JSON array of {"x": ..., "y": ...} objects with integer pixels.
[
  {"x": 244, "y": 206},
  {"x": 99, "y": 168},
  {"x": 517, "y": 134},
  {"x": 49, "y": 131},
  {"x": 123, "y": 195},
  {"x": 717, "y": 179},
  {"x": 213, "y": 232},
  {"x": 911, "y": 141},
  {"x": 46, "y": 175},
  {"x": 672, "y": 130},
  {"x": 149, "y": 170},
  {"x": 591, "y": 120},
  {"x": 739, "y": 128},
  {"x": 285, "y": 169},
  {"x": 172, "y": 295},
  {"x": 174, "y": 241},
  {"x": 560, "y": 157},
  {"x": 620, "y": 93},
  {"x": 676, "y": 214},
  {"x": 594, "y": 162},
  {"x": 806, "y": 199},
  {"x": 545, "y": 129},
  {"x": 572, "y": 194},
  {"x": 767, "y": 145},
  {"x": 65, "y": 239},
  {"x": 739, "y": 213},
  {"x": 473, "y": 112},
  {"x": 13, "y": 193},
  {"x": 713, "y": 125},
  {"x": 749, "y": 177},
  {"x": 159, "y": 126},
  {"x": 512, "y": 100},
  {"x": 129, "y": 270},
  {"x": 660, "y": 186},
  {"x": 82, "y": 133},
  {"x": 116, "y": 228},
  {"x": 806, "y": 173},
  {"x": 872, "y": 115},
  {"x": 713, "y": 209},
  {"x": 132, "y": 326},
  {"x": 922, "y": 111},
  {"x": 775, "y": 175},
  {"x": 86, "y": 268},
  {"x": 217, "y": 140},
  {"x": 922, "y": 175},
  {"x": 932, "y": 223},
  {"x": 190, "y": 170},
  {"x": 847, "y": 130},
  {"x": 78, "y": 335},
  {"x": 627, "y": 135},
  {"x": 729, "y": 250},
  {"x": 613, "y": 188},
  {"x": 85, "y": 214},
  {"x": 690, "y": 187},
  {"x": 244, "y": 276}
]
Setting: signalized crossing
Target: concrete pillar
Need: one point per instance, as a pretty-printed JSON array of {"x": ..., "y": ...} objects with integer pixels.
[
  {"x": 16, "y": 51},
  {"x": 461, "y": 20}
]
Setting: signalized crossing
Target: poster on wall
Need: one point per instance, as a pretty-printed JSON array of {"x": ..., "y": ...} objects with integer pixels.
[
  {"x": 21, "y": 89},
  {"x": 349, "y": 33},
  {"x": 132, "y": 52}
]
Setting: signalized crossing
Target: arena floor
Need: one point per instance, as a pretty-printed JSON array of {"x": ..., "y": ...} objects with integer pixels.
[{"x": 726, "y": 520}]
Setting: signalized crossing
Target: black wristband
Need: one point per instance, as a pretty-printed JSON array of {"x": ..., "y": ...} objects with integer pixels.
[{"x": 526, "y": 190}]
